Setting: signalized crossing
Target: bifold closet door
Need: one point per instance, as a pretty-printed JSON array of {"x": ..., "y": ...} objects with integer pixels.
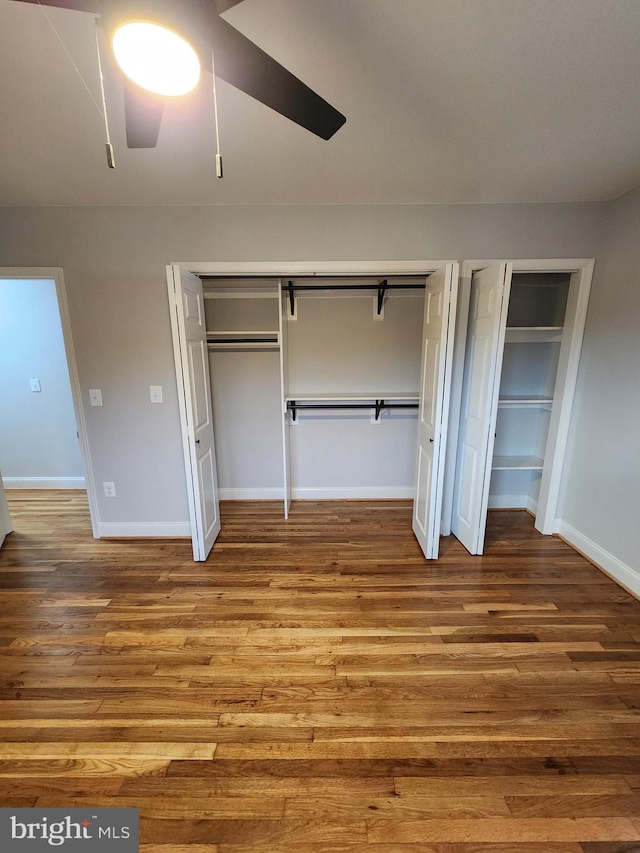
[
  {"x": 188, "y": 326},
  {"x": 435, "y": 383},
  {"x": 489, "y": 300}
]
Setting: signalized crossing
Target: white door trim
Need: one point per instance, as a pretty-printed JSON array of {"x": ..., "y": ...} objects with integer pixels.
[
  {"x": 282, "y": 269},
  {"x": 6, "y": 526},
  {"x": 57, "y": 275}
]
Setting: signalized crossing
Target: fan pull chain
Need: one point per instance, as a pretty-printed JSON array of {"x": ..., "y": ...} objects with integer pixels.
[
  {"x": 111, "y": 162},
  {"x": 64, "y": 47},
  {"x": 219, "y": 173}
]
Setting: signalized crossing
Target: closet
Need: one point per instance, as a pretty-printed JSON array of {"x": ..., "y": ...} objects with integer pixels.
[
  {"x": 518, "y": 358},
  {"x": 348, "y": 380},
  {"x": 315, "y": 385}
]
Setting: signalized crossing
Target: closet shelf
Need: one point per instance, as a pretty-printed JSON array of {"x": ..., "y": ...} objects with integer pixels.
[
  {"x": 522, "y": 463},
  {"x": 358, "y": 397},
  {"x": 508, "y": 401},
  {"x": 243, "y": 340},
  {"x": 381, "y": 287},
  {"x": 532, "y": 334},
  {"x": 236, "y": 293}
]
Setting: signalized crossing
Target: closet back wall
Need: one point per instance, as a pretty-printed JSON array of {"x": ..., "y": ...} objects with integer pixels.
[
  {"x": 114, "y": 265},
  {"x": 336, "y": 346}
]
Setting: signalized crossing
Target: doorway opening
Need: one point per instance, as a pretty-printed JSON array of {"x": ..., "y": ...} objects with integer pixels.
[
  {"x": 316, "y": 381},
  {"x": 43, "y": 446}
]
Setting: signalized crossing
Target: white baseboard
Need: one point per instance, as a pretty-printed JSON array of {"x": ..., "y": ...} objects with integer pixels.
[
  {"x": 617, "y": 570},
  {"x": 299, "y": 493},
  {"x": 143, "y": 529},
  {"x": 353, "y": 493},
  {"x": 272, "y": 494},
  {"x": 513, "y": 502},
  {"x": 44, "y": 483}
]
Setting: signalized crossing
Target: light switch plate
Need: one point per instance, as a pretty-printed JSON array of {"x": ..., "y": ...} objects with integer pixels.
[
  {"x": 35, "y": 384},
  {"x": 155, "y": 393},
  {"x": 95, "y": 397}
]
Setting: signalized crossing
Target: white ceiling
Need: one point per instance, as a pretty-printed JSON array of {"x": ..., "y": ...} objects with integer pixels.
[{"x": 447, "y": 101}]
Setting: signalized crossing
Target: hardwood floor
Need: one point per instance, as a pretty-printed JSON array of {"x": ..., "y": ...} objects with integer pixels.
[{"x": 316, "y": 687}]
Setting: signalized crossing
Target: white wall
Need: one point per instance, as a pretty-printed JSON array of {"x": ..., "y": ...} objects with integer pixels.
[
  {"x": 38, "y": 442},
  {"x": 601, "y": 502},
  {"x": 113, "y": 261}
]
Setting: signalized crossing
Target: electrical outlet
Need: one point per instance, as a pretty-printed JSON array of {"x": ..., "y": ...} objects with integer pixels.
[
  {"x": 155, "y": 393},
  {"x": 35, "y": 384},
  {"x": 95, "y": 397},
  {"x": 109, "y": 490}
]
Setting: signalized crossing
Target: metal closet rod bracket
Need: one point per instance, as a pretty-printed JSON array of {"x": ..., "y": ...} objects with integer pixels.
[
  {"x": 382, "y": 287},
  {"x": 378, "y": 406}
]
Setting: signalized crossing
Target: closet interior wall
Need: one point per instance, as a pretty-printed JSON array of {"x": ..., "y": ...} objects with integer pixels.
[
  {"x": 342, "y": 352},
  {"x": 334, "y": 351},
  {"x": 244, "y": 341},
  {"x": 533, "y": 337}
]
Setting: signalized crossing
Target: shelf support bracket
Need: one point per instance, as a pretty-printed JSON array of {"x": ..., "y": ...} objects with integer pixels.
[
  {"x": 379, "y": 406},
  {"x": 292, "y": 304},
  {"x": 382, "y": 289},
  {"x": 292, "y": 409}
]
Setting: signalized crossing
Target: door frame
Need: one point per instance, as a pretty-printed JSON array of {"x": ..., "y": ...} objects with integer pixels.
[
  {"x": 284, "y": 269},
  {"x": 580, "y": 287},
  {"x": 57, "y": 276}
]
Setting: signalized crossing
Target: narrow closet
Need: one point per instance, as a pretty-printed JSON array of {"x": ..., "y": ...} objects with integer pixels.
[
  {"x": 521, "y": 352},
  {"x": 533, "y": 337}
]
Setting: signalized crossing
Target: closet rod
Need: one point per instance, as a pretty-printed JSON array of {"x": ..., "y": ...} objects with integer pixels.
[
  {"x": 381, "y": 287},
  {"x": 379, "y": 405}
]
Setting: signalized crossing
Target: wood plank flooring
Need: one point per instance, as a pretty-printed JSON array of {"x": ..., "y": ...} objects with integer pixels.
[{"x": 317, "y": 687}]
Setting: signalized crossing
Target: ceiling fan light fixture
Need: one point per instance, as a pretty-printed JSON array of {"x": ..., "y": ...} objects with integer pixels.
[{"x": 156, "y": 58}]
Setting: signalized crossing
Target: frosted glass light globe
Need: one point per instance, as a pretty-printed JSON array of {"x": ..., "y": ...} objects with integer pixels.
[{"x": 156, "y": 58}]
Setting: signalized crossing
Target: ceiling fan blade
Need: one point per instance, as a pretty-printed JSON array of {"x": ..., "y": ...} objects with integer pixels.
[
  {"x": 142, "y": 115},
  {"x": 222, "y": 5},
  {"x": 247, "y": 67}
]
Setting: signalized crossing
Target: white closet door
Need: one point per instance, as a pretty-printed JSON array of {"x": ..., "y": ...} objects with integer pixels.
[
  {"x": 435, "y": 382},
  {"x": 483, "y": 360},
  {"x": 5, "y": 519},
  {"x": 194, "y": 393}
]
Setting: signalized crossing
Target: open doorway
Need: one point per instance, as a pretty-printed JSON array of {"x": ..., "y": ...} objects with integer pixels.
[{"x": 43, "y": 443}]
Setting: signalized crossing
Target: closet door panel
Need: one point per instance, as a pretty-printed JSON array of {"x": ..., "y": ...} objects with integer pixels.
[
  {"x": 485, "y": 341},
  {"x": 437, "y": 351},
  {"x": 188, "y": 327}
]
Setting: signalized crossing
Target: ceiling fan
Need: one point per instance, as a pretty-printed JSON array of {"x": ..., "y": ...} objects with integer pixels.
[{"x": 238, "y": 61}]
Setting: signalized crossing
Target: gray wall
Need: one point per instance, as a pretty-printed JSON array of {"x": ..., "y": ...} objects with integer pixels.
[
  {"x": 37, "y": 430},
  {"x": 602, "y": 481},
  {"x": 114, "y": 258}
]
